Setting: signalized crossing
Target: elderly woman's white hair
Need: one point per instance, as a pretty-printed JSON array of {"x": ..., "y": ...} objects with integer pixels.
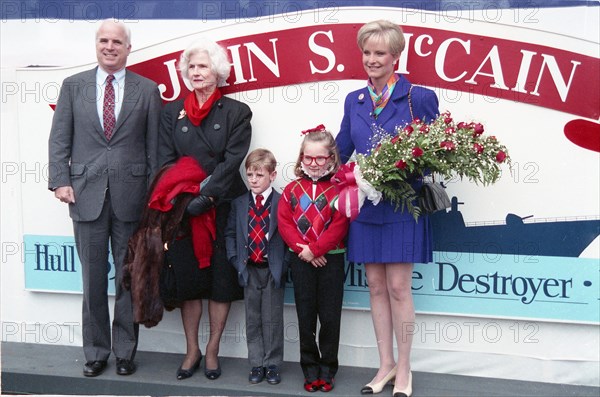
[{"x": 219, "y": 63}]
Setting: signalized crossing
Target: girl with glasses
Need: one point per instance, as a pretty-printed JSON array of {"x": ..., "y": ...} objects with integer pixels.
[{"x": 314, "y": 230}]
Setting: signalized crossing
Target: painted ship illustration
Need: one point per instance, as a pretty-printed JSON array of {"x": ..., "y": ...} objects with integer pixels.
[{"x": 518, "y": 236}]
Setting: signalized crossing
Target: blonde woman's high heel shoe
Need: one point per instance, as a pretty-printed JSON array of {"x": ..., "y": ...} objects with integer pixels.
[
  {"x": 407, "y": 391},
  {"x": 374, "y": 388}
]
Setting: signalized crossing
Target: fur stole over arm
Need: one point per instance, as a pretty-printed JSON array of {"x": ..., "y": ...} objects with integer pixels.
[{"x": 171, "y": 191}]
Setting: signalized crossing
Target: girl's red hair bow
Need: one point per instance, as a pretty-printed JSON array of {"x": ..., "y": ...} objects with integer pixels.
[{"x": 318, "y": 128}]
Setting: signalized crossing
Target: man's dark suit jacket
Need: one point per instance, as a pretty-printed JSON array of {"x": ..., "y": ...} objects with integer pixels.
[{"x": 81, "y": 157}]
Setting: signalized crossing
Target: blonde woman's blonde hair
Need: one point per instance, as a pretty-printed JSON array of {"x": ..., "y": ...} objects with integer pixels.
[{"x": 389, "y": 32}]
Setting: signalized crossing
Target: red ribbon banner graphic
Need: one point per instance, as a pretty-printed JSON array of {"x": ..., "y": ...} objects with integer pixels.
[{"x": 440, "y": 59}]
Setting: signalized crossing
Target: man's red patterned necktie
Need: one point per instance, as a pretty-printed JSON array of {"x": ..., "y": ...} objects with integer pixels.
[{"x": 109, "y": 107}]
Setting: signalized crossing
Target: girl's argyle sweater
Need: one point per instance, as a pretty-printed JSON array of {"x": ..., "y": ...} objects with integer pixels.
[{"x": 307, "y": 215}]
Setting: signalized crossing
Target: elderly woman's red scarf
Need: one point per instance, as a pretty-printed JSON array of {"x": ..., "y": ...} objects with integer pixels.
[
  {"x": 185, "y": 177},
  {"x": 194, "y": 111}
]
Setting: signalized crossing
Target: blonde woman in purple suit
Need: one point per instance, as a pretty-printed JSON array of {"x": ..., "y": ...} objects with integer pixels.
[{"x": 388, "y": 242}]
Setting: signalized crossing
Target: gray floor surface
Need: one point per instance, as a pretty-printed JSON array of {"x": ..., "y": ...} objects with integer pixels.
[{"x": 29, "y": 368}]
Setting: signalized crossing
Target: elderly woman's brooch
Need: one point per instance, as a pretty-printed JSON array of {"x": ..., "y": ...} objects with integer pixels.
[{"x": 181, "y": 114}]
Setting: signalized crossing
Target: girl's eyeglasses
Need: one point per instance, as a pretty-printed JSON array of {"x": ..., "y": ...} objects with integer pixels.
[{"x": 320, "y": 160}]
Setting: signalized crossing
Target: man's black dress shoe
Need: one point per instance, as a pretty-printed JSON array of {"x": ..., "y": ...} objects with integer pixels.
[
  {"x": 94, "y": 368},
  {"x": 187, "y": 373},
  {"x": 213, "y": 374},
  {"x": 272, "y": 375},
  {"x": 125, "y": 366}
]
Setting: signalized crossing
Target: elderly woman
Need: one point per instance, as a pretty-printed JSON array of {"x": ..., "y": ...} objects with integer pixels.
[
  {"x": 388, "y": 242},
  {"x": 216, "y": 132}
]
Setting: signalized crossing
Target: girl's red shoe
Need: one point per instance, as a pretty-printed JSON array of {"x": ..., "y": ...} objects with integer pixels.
[
  {"x": 326, "y": 386},
  {"x": 312, "y": 386}
]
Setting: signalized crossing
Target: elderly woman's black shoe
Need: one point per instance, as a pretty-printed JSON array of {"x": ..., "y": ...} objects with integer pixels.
[
  {"x": 187, "y": 373},
  {"x": 213, "y": 374}
]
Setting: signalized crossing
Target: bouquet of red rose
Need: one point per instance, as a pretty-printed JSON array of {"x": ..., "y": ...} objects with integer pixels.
[{"x": 442, "y": 147}]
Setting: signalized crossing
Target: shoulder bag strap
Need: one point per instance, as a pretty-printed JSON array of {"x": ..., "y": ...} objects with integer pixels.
[{"x": 410, "y": 107}]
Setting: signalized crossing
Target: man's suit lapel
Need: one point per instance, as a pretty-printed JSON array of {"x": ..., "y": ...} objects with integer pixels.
[
  {"x": 131, "y": 95},
  {"x": 89, "y": 106}
]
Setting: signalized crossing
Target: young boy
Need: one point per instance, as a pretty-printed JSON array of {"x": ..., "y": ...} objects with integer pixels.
[{"x": 256, "y": 250}]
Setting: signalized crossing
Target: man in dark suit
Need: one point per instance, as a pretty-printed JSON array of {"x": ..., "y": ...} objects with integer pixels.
[{"x": 103, "y": 151}]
